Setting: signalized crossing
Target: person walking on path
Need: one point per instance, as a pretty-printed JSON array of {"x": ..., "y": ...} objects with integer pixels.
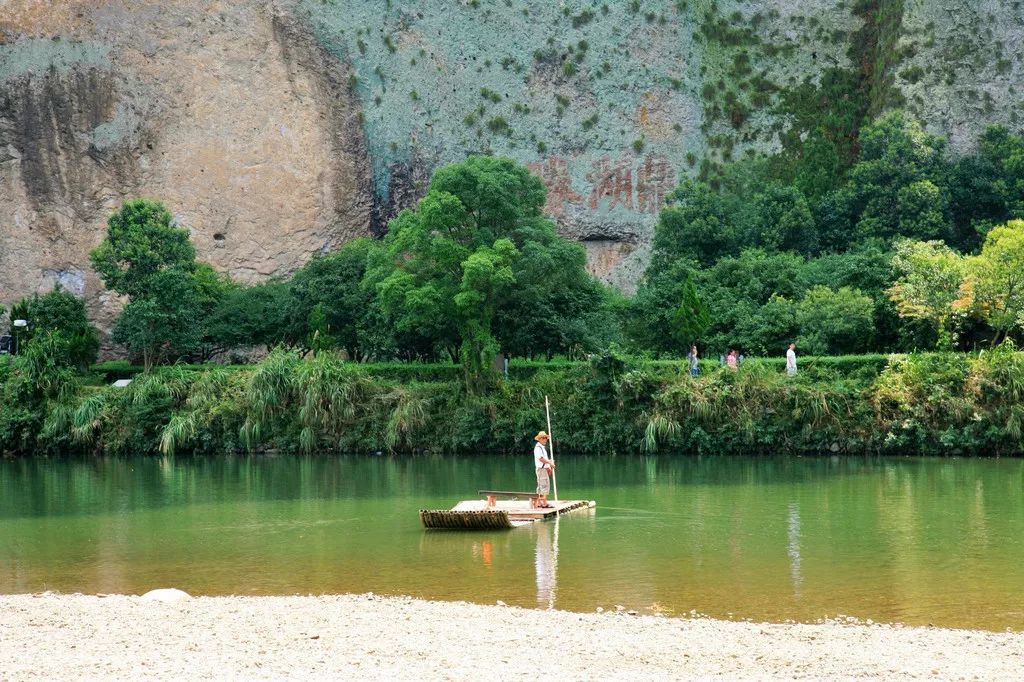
[
  {"x": 544, "y": 466},
  {"x": 694, "y": 360},
  {"x": 791, "y": 360},
  {"x": 730, "y": 360}
]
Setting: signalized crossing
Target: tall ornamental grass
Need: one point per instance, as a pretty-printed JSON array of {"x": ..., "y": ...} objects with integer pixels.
[{"x": 927, "y": 404}]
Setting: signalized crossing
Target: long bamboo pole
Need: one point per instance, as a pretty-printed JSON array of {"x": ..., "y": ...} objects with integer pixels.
[{"x": 551, "y": 453}]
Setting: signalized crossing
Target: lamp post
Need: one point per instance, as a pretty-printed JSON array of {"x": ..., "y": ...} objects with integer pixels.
[{"x": 19, "y": 325}]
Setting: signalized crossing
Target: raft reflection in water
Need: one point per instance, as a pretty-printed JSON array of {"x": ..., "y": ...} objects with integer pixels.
[{"x": 496, "y": 565}]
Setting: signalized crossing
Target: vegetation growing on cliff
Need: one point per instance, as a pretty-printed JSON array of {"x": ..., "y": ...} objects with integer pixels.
[
  {"x": 891, "y": 254},
  {"x": 477, "y": 268},
  {"x": 801, "y": 255}
]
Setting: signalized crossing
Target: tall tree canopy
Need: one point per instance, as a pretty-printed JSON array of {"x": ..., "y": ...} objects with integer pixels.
[
  {"x": 153, "y": 263},
  {"x": 476, "y": 266},
  {"x": 694, "y": 225},
  {"x": 994, "y": 279},
  {"x": 928, "y": 287},
  {"x": 141, "y": 243},
  {"x": 329, "y": 285}
]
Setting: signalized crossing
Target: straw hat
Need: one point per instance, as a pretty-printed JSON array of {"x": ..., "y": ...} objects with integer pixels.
[{"x": 541, "y": 435}]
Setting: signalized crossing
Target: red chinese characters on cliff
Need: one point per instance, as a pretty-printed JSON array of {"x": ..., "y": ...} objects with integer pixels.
[
  {"x": 613, "y": 180},
  {"x": 554, "y": 172},
  {"x": 655, "y": 179},
  {"x": 620, "y": 182}
]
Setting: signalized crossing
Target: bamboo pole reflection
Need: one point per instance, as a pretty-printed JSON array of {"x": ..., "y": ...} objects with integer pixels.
[{"x": 546, "y": 562}]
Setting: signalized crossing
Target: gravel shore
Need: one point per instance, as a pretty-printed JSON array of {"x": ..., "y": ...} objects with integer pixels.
[{"x": 53, "y": 636}]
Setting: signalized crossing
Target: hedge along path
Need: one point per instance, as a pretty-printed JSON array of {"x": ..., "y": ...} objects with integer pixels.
[{"x": 523, "y": 368}]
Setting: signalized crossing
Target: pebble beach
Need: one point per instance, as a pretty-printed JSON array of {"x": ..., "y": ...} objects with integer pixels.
[{"x": 57, "y": 636}]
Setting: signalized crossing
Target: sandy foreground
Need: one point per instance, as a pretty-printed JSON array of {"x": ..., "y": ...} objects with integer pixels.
[{"x": 376, "y": 638}]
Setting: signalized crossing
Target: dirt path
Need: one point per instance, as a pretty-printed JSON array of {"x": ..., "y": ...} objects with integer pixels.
[{"x": 74, "y": 636}]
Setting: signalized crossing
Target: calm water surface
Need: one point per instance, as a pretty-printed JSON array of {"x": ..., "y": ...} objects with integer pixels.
[{"x": 909, "y": 540}]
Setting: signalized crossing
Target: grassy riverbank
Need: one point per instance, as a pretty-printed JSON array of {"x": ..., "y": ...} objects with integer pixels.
[
  {"x": 927, "y": 404},
  {"x": 60, "y": 636}
]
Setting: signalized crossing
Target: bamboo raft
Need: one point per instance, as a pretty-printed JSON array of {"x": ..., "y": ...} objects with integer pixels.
[{"x": 479, "y": 515}]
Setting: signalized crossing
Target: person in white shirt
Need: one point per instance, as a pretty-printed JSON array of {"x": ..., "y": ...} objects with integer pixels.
[
  {"x": 544, "y": 466},
  {"x": 791, "y": 360}
]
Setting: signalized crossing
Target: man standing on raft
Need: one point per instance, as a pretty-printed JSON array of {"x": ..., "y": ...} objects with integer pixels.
[{"x": 544, "y": 465}]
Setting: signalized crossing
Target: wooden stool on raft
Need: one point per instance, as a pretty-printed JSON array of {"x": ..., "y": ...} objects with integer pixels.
[{"x": 493, "y": 495}]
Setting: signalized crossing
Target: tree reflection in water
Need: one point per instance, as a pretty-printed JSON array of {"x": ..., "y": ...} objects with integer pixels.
[{"x": 793, "y": 548}]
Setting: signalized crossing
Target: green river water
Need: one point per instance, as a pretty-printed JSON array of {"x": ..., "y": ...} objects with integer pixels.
[{"x": 916, "y": 541}]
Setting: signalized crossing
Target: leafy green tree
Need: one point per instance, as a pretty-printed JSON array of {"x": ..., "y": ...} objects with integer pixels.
[
  {"x": 211, "y": 287},
  {"x": 61, "y": 315},
  {"x": 554, "y": 303},
  {"x": 651, "y": 318},
  {"x": 897, "y": 187},
  {"x": 333, "y": 282},
  {"x": 171, "y": 296},
  {"x": 694, "y": 224},
  {"x": 485, "y": 274},
  {"x": 737, "y": 288},
  {"x": 782, "y": 221},
  {"x": 867, "y": 266},
  {"x": 251, "y": 316},
  {"x": 763, "y": 330},
  {"x": 441, "y": 275},
  {"x": 994, "y": 283},
  {"x": 603, "y": 326},
  {"x": 691, "y": 316},
  {"x": 141, "y": 243},
  {"x": 834, "y": 217},
  {"x": 923, "y": 213},
  {"x": 415, "y": 274},
  {"x": 819, "y": 169},
  {"x": 976, "y": 202},
  {"x": 928, "y": 285},
  {"x": 835, "y": 322},
  {"x": 756, "y": 274},
  {"x": 167, "y": 322},
  {"x": 1005, "y": 151}
]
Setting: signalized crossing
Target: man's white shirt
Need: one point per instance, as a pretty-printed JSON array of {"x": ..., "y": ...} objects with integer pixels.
[{"x": 539, "y": 451}]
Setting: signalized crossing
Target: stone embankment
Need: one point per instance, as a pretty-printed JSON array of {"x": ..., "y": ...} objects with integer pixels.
[{"x": 53, "y": 636}]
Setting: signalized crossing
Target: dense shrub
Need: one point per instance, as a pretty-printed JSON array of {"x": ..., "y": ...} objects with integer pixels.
[
  {"x": 931, "y": 404},
  {"x": 60, "y": 315}
]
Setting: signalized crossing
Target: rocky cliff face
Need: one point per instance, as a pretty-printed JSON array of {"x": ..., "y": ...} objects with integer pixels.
[
  {"x": 229, "y": 112},
  {"x": 276, "y": 129}
]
